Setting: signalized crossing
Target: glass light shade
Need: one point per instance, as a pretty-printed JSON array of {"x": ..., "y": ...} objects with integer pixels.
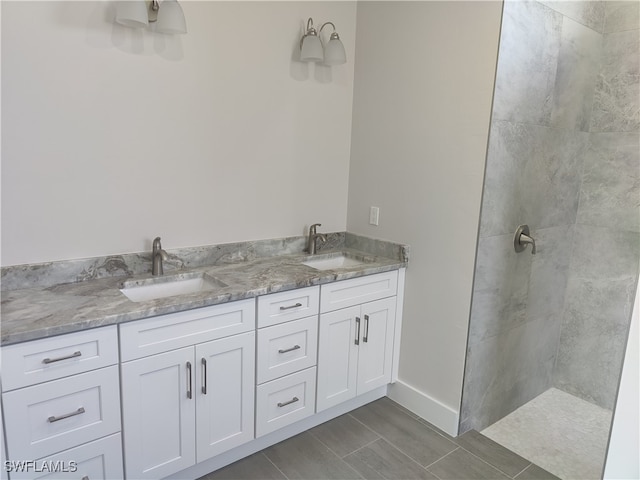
[
  {"x": 311, "y": 50},
  {"x": 171, "y": 18},
  {"x": 334, "y": 53},
  {"x": 132, "y": 13}
]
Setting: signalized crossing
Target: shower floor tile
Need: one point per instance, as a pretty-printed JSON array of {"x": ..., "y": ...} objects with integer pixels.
[{"x": 559, "y": 432}]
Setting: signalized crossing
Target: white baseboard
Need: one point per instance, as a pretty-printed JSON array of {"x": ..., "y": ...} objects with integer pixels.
[{"x": 433, "y": 411}]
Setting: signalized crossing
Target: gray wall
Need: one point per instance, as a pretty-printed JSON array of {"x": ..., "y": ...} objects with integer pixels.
[
  {"x": 604, "y": 258},
  {"x": 560, "y": 317}
]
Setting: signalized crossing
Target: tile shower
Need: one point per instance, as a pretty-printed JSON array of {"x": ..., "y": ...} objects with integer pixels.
[{"x": 563, "y": 158}]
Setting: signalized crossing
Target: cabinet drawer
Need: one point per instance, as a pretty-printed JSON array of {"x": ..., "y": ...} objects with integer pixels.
[
  {"x": 48, "y": 359},
  {"x": 287, "y": 348},
  {"x": 285, "y": 306},
  {"x": 355, "y": 291},
  {"x": 284, "y": 401},
  {"x": 176, "y": 330},
  {"x": 57, "y": 415},
  {"x": 97, "y": 460}
]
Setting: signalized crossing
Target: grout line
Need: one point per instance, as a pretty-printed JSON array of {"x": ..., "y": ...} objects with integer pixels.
[
  {"x": 399, "y": 449},
  {"x": 530, "y": 463},
  {"x": 444, "y": 456},
  {"x": 271, "y": 462},
  {"x": 526, "y": 468},
  {"x": 363, "y": 447},
  {"x": 338, "y": 456},
  {"x": 491, "y": 465}
]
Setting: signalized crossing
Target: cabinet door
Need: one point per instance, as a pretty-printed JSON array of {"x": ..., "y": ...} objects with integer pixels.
[
  {"x": 158, "y": 415},
  {"x": 337, "y": 357},
  {"x": 97, "y": 460},
  {"x": 225, "y": 394},
  {"x": 375, "y": 354}
]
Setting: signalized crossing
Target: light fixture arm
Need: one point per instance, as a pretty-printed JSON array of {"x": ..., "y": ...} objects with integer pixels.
[
  {"x": 310, "y": 31},
  {"x": 325, "y": 24}
]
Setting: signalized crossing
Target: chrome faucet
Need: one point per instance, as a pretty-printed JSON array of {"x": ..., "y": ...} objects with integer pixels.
[
  {"x": 314, "y": 237},
  {"x": 157, "y": 256}
]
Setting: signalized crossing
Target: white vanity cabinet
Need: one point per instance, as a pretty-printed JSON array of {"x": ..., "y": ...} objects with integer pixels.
[
  {"x": 61, "y": 401},
  {"x": 356, "y": 337},
  {"x": 188, "y": 385},
  {"x": 286, "y": 358}
]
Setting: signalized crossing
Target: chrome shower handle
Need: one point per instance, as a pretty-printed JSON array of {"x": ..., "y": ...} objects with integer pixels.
[{"x": 521, "y": 239}]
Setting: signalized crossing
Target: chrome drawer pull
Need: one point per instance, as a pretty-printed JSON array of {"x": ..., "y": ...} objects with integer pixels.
[
  {"x": 204, "y": 376},
  {"x": 189, "y": 394},
  {"x": 295, "y": 347},
  {"x": 46, "y": 361},
  {"x": 66, "y": 415},
  {"x": 291, "y": 306},
  {"x": 284, "y": 404},
  {"x": 365, "y": 337}
]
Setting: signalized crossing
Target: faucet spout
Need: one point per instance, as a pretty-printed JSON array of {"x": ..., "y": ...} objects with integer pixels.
[
  {"x": 157, "y": 257},
  {"x": 313, "y": 238}
]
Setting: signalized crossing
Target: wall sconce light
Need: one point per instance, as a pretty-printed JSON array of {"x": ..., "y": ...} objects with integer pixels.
[
  {"x": 168, "y": 15},
  {"x": 311, "y": 48}
]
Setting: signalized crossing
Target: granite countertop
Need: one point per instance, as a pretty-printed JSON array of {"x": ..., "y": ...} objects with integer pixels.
[{"x": 43, "y": 311}]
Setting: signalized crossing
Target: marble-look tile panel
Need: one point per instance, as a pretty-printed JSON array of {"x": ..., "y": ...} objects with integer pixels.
[
  {"x": 603, "y": 253},
  {"x": 500, "y": 288},
  {"x": 532, "y": 177},
  {"x": 590, "y": 13},
  {"x": 549, "y": 272},
  {"x": 610, "y": 191},
  {"x": 527, "y": 61},
  {"x": 593, "y": 339},
  {"x": 616, "y": 105},
  {"x": 504, "y": 372},
  {"x": 621, "y": 15},
  {"x": 598, "y": 303},
  {"x": 578, "y": 68}
]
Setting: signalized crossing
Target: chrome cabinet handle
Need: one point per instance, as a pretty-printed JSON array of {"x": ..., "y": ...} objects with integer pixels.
[
  {"x": 47, "y": 360},
  {"x": 365, "y": 337},
  {"x": 204, "y": 375},
  {"x": 284, "y": 404},
  {"x": 295, "y": 347},
  {"x": 291, "y": 306},
  {"x": 357, "y": 342},
  {"x": 66, "y": 415},
  {"x": 189, "y": 391}
]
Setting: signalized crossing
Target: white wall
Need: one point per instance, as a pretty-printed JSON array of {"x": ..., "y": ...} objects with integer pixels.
[
  {"x": 423, "y": 87},
  {"x": 623, "y": 457},
  {"x": 111, "y": 136}
]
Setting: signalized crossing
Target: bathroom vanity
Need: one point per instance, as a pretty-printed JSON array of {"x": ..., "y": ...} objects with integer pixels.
[{"x": 161, "y": 388}]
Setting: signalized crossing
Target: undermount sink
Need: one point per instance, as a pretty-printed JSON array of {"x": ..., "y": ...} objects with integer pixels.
[
  {"x": 169, "y": 286},
  {"x": 335, "y": 261}
]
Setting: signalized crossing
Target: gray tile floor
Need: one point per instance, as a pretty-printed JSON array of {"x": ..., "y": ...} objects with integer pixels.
[{"x": 382, "y": 440}]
